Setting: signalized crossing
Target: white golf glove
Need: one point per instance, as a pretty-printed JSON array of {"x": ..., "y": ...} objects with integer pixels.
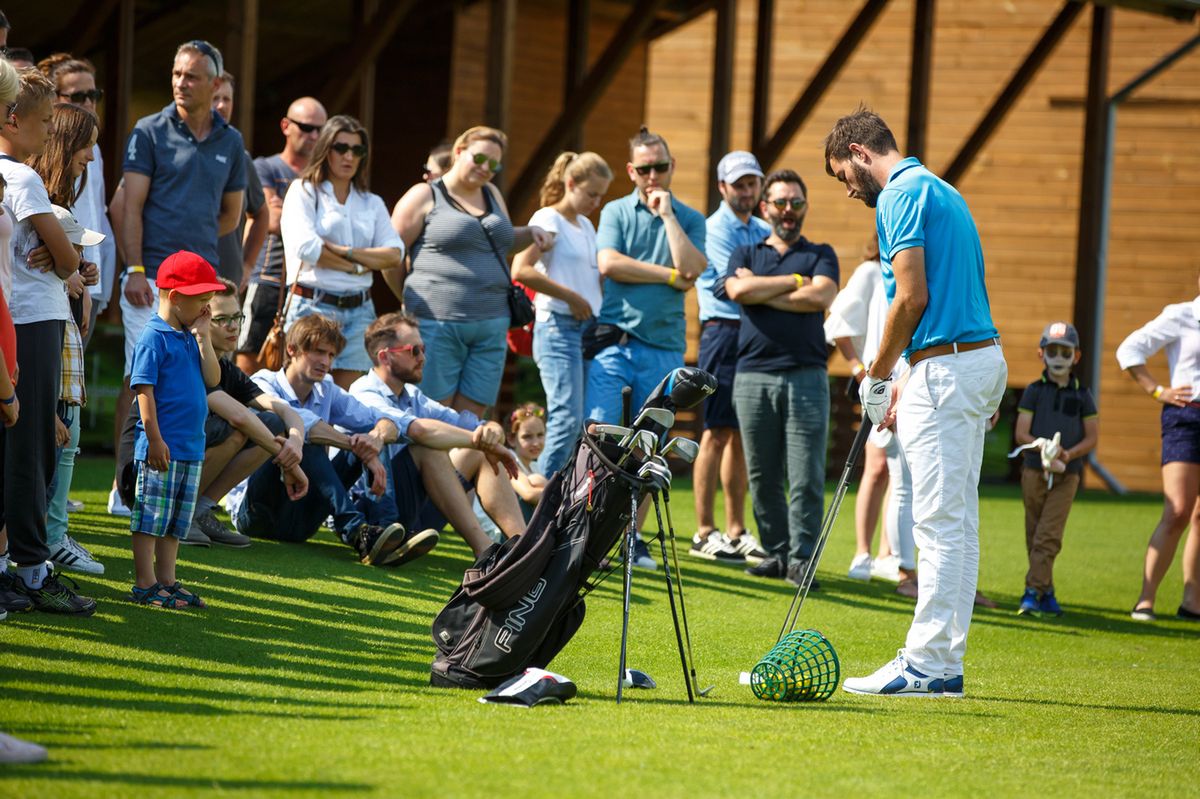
[
  {"x": 876, "y": 397},
  {"x": 1050, "y": 450}
]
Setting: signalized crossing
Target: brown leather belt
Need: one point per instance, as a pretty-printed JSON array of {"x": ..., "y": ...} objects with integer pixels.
[
  {"x": 343, "y": 301},
  {"x": 948, "y": 349}
]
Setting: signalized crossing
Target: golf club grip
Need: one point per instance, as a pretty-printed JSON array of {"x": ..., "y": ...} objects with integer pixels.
[
  {"x": 626, "y": 405},
  {"x": 859, "y": 442}
]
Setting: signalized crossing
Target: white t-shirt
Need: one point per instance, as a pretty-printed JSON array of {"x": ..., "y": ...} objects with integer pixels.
[
  {"x": 90, "y": 210},
  {"x": 6, "y": 232},
  {"x": 859, "y": 311},
  {"x": 571, "y": 262},
  {"x": 36, "y": 296}
]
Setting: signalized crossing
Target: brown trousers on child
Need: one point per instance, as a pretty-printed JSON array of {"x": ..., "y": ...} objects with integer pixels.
[{"x": 1046, "y": 513}]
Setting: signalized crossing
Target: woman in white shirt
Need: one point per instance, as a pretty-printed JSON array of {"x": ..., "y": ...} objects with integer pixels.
[
  {"x": 1177, "y": 329},
  {"x": 336, "y": 235},
  {"x": 567, "y": 281}
]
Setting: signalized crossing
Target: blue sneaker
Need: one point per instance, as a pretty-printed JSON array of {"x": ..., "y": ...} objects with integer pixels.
[
  {"x": 953, "y": 686},
  {"x": 1049, "y": 605},
  {"x": 1029, "y": 603},
  {"x": 897, "y": 678}
]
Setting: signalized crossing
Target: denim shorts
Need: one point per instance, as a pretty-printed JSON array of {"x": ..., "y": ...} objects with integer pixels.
[
  {"x": 464, "y": 358},
  {"x": 353, "y": 321}
]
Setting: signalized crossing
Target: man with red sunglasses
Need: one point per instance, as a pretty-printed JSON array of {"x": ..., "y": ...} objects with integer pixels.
[{"x": 440, "y": 445}]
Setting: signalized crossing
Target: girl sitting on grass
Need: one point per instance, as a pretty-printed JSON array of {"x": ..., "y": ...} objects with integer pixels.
[{"x": 527, "y": 438}]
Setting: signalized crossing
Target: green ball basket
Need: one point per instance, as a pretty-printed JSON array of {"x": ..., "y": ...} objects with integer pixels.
[{"x": 802, "y": 667}]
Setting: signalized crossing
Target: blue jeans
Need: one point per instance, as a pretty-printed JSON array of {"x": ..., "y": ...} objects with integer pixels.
[
  {"x": 558, "y": 351},
  {"x": 353, "y": 321},
  {"x": 784, "y": 418},
  {"x": 634, "y": 364},
  {"x": 60, "y": 487},
  {"x": 266, "y": 511}
]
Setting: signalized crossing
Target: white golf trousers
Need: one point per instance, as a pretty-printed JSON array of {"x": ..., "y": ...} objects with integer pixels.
[{"x": 941, "y": 420}]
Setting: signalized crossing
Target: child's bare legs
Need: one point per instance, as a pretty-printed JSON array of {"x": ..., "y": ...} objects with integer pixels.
[{"x": 154, "y": 562}]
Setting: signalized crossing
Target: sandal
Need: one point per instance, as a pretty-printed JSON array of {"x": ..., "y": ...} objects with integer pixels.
[
  {"x": 150, "y": 596},
  {"x": 181, "y": 594}
]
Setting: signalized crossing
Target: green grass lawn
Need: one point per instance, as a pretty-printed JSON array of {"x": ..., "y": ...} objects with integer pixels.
[{"x": 308, "y": 675}]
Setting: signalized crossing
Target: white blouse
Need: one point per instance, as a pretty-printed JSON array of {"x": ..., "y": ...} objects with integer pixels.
[
  {"x": 308, "y": 220},
  {"x": 1177, "y": 329}
]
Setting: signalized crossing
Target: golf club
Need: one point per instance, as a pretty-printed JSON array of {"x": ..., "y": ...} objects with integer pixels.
[
  {"x": 614, "y": 432},
  {"x": 657, "y": 421},
  {"x": 642, "y": 441},
  {"x": 683, "y": 448}
]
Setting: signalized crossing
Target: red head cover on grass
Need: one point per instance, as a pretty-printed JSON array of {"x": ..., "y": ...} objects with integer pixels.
[{"x": 188, "y": 274}]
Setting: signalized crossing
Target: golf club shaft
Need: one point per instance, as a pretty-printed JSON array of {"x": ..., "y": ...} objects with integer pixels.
[
  {"x": 628, "y": 588},
  {"x": 683, "y": 658},
  {"x": 687, "y": 635}
]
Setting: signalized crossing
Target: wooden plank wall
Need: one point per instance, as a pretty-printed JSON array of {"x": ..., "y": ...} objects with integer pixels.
[{"x": 1023, "y": 188}]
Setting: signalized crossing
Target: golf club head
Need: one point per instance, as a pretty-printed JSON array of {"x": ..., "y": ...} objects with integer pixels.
[
  {"x": 683, "y": 448},
  {"x": 639, "y": 679},
  {"x": 684, "y": 387},
  {"x": 658, "y": 421},
  {"x": 614, "y": 431}
]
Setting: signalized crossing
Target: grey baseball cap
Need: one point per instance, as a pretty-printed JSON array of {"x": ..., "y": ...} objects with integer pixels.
[
  {"x": 1060, "y": 333},
  {"x": 738, "y": 164}
]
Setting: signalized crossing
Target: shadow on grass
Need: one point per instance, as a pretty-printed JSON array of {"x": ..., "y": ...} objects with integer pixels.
[
  {"x": 1166, "y": 711},
  {"x": 52, "y": 770}
]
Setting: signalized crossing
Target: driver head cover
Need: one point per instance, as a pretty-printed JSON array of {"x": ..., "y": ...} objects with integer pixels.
[{"x": 534, "y": 687}]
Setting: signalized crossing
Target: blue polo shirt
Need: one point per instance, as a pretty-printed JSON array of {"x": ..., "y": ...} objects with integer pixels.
[
  {"x": 169, "y": 360},
  {"x": 187, "y": 181},
  {"x": 725, "y": 233},
  {"x": 650, "y": 312},
  {"x": 772, "y": 340},
  {"x": 918, "y": 209}
]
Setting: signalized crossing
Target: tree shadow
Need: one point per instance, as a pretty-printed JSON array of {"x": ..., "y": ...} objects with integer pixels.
[{"x": 53, "y": 770}]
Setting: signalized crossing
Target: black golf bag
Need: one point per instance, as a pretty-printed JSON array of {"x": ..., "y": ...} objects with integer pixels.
[{"x": 523, "y": 600}]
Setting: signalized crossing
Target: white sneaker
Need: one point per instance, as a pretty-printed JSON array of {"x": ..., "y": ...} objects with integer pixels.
[
  {"x": 860, "y": 567},
  {"x": 747, "y": 546},
  {"x": 74, "y": 506},
  {"x": 71, "y": 555},
  {"x": 115, "y": 506},
  {"x": 14, "y": 750},
  {"x": 886, "y": 569},
  {"x": 897, "y": 678},
  {"x": 714, "y": 546}
]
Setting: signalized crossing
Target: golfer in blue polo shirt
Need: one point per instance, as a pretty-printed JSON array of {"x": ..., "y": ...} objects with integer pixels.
[{"x": 940, "y": 321}]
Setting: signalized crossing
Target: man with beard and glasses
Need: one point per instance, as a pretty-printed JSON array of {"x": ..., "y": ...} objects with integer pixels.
[
  {"x": 784, "y": 286},
  {"x": 439, "y": 445},
  {"x": 940, "y": 321}
]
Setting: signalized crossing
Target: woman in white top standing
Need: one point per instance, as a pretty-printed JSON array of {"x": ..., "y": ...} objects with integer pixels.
[
  {"x": 336, "y": 235},
  {"x": 1177, "y": 329},
  {"x": 567, "y": 281}
]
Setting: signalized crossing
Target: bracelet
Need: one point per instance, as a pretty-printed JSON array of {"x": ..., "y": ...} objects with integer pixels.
[
  {"x": 1157, "y": 392},
  {"x": 350, "y": 255},
  {"x": 674, "y": 275},
  {"x": 857, "y": 368},
  {"x": 141, "y": 270},
  {"x": 10, "y": 400},
  {"x": 799, "y": 280}
]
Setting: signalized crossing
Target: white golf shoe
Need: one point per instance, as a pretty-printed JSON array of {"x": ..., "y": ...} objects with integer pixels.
[
  {"x": 896, "y": 678},
  {"x": 860, "y": 567}
]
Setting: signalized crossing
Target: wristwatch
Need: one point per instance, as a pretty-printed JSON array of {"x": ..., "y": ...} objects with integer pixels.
[{"x": 359, "y": 269}]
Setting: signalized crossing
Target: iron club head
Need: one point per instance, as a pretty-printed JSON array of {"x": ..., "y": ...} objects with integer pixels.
[{"x": 683, "y": 448}]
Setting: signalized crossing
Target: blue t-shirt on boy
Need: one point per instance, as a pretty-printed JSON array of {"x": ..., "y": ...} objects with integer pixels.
[{"x": 169, "y": 360}]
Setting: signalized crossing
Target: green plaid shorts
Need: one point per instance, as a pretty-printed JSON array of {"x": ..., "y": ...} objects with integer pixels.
[{"x": 164, "y": 501}]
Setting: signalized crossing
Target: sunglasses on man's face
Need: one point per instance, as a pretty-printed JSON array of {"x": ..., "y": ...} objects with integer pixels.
[
  {"x": 796, "y": 203},
  {"x": 305, "y": 127},
  {"x": 79, "y": 98},
  {"x": 341, "y": 148},
  {"x": 482, "y": 158},
  {"x": 417, "y": 350},
  {"x": 661, "y": 168}
]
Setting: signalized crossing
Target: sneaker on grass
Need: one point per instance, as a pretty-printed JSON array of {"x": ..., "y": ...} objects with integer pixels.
[
  {"x": 54, "y": 597},
  {"x": 376, "y": 544},
  {"x": 641, "y": 556},
  {"x": 14, "y": 750},
  {"x": 74, "y": 506},
  {"x": 215, "y": 531},
  {"x": 1029, "y": 603},
  {"x": 860, "y": 567},
  {"x": 747, "y": 546},
  {"x": 886, "y": 568},
  {"x": 10, "y": 598},
  {"x": 795, "y": 575},
  {"x": 71, "y": 555},
  {"x": 1049, "y": 605},
  {"x": 115, "y": 506},
  {"x": 953, "y": 686},
  {"x": 414, "y": 545},
  {"x": 714, "y": 546},
  {"x": 771, "y": 568},
  {"x": 195, "y": 537},
  {"x": 896, "y": 678}
]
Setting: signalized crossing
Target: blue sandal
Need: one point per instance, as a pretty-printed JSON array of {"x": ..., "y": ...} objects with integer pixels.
[
  {"x": 182, "y": 595},
  {"x": 149, "y": 596}
]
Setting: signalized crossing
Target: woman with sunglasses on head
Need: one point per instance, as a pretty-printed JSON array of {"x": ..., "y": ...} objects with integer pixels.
[
  {"x": 336, "y": 235},
  {"x": 460, "y": 234}
]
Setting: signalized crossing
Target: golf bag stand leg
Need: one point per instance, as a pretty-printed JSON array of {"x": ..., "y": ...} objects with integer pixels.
[
  {"x": 687, "y": 635},
  {"x": 793, "y": 615},
  {"x": 627, "y": 551},
  {"x": 683, "y": 659}
]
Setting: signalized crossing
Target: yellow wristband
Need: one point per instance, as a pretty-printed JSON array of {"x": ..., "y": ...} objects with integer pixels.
[
  {"x": 674, "y": 274},
  {"x": 857, "y": 368},
  {"x": 1158, "y": 392},
  {"x": 799, "y": 280},
  {"x": 141, "y": 270}
]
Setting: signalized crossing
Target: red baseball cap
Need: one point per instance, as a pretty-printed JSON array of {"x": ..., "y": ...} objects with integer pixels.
[{"x": 188, "y": 274}]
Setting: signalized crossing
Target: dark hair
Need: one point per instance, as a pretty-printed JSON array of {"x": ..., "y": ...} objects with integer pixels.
[
  {"x": 227, "y": 77},
  {"x": 442, "y": 155},
  {"x": 73, "y": 128},
  {"x": 871, "y": 247},
  {"x": 381, "y": 333},
  {"x": 309, "y": 332},
  {"x": 57, "y": 65},
  {"x": 20, "y": 54},
  {"x": 318, "y": 164},
  {"x": 230, "y": 290},
  {"x": 645, "y": 138},
  {"x": 863, "y": 127},
  {"x": 783, "y": 176}
]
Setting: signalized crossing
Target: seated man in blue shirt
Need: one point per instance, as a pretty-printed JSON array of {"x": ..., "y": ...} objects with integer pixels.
[{"x": 419, "y": 466}]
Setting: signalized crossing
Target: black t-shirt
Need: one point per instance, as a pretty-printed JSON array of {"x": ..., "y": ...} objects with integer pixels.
[
  {"x": 1057, "y": 410},
  {"x": 771, "y": 340},
  {"x": 237, "y": 383}
]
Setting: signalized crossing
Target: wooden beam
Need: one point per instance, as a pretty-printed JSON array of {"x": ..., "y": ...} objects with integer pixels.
[
  {"x": 920, "y": 72},
  {"x": 241, "y": 60},
  {"x": 1017, "y": 84},
  {"x": 497, "y": 106},
  {"x": 629, "y": 35},
  {"x": 1094, "y": 182},
  {"x": 855, "y": 32},
  {"x": 722, "y": 94},
  {"x": 662, "y": 27},
  {"x": 575, "y": 59},
  {"x": 90, "y": 20},
  {"x": 363, "y": 51},
  {"x": 118, "y": 82},
  {"x": 764, "y": 38},
  {"x": 366, "y": 83}
]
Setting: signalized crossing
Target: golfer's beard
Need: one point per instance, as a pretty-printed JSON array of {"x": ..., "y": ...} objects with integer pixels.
[
  {"x": 404, "y": 376},
  {"x": 1058, "y": 366},
  {"x": 787, "y": 235},
  {"x": 869, "y": 193}
]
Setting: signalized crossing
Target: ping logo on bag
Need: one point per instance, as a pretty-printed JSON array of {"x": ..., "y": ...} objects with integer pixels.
[{"x": 514, "y": 622}]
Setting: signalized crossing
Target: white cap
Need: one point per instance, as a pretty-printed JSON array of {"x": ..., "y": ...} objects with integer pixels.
[{"x": 76, "y": 233}]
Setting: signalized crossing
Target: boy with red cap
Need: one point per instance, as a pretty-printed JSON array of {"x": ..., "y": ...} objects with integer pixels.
[{"x": 173, "y": 366}]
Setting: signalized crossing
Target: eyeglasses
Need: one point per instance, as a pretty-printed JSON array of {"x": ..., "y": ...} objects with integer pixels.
[
  {"x": 305, "y": 127},
  {"x": 492, "y": 163},
  {"x": 795, "y": 202},
  {"x": 229, "y": 320},
  {"x": 341, "y": 148},
  {"x": 79, "y": 98},
  {"x": 535, "y": 412},
  {"x": 417, "y": 350},
  {"x": 661, "y": 168},
  {"x": 210, "y": 51}
]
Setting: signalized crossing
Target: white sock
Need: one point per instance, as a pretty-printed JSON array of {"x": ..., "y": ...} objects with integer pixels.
[
  {"x": 33, "y": 576},
  {"x": 204, "y": 505}
]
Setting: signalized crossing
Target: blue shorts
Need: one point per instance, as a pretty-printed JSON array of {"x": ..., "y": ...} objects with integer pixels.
[
  {"x": 1180, "y": 434},
  {"x": 353, "y": 321},
  {"x": 464, "y": 358},
  {"x": 718, "y": 356},
  {"x": 164, "y": 501},
  {"x": 635, "y": 364}
]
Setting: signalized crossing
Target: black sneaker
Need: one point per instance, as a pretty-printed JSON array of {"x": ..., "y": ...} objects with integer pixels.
[
  {"x": 795, "y": 573},
  {"x": 771, "y": 567},
  {"x": 412, "y": 547},
  {"x": 12, "y": 599},
  {"x": 375, "y": 544},
  {"x": 54, "y": 597}
]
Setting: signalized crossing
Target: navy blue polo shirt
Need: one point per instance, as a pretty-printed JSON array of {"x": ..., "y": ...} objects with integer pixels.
[
  {"x": 771, "y": 340},
  {"x": 187, "y": 180},
  {"x": 1057, "y": 409}
]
